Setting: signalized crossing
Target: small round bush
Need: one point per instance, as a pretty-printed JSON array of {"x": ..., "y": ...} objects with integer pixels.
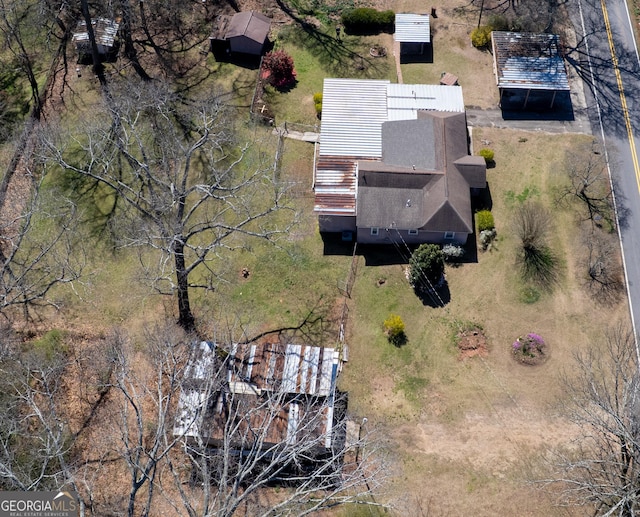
[
  {"x": 484, "y": 220},
  {"x": 481, "y": 37},
  {"x": 394, "y": 330},
  {"x": 278, "y": 69},
  {"x": 487, "y": 154},
  {"x": 530, "y": 349},
  {"x": 452, "y": 252}
]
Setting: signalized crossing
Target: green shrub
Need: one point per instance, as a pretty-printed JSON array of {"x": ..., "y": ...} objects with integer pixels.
[
  {"x": 317, "y": 102},
  {"x": 487, "y": 154},
  {"x": 394, "y": 330},
  {"x": 481, "y": 37},
  {"x": 426, "y": 267},
  {"x": 365, "y": 20},
  {"x": 484, "y": 220},
  {"x": 51, "y": 344}
]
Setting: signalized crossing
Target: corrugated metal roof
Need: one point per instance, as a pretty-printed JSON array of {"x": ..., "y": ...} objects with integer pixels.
[
  {"x": 352, "y": 113},
  {"x": 105, "y": 31},
  {"x": 525, "y": 60},
  {"x": 412, "y": 28},
  {"x": 251, "y": 370},
  {"x": 404, "y": 100}
]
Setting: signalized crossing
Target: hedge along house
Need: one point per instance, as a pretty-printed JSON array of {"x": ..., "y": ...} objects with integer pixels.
[
  {"x": 244, "y": 33},
  {"x": 413, "y": 33},
  {"x": 393, "y": 163},
  {"x": 276, "y": 394},
  {"x": 105, "y": 32},
  {"x": 530, "y": 71}
]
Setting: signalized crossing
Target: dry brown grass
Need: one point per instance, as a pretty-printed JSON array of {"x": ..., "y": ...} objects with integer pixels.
[{"x": 469, "y": 435}]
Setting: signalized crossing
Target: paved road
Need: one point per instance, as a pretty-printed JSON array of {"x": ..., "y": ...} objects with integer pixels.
[
  {"x": 604, "y": 72},
  {"x": 607, "y": 60}
]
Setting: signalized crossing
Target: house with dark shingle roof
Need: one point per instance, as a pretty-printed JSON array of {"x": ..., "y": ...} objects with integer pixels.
[
  {"x": 421, "y": 190},
  {"x": 416, "y": 183}
]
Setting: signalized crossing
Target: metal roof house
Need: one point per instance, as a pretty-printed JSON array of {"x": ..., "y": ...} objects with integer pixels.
[
  {"x": 393, "y": 163},
  {"x": 105, "y": 32},
  {"x": 276, "y": 394},
  {"x": 243, "y": 33},
  {"x": 413, "y": 32},
  {"x": 530, "y": 71}
]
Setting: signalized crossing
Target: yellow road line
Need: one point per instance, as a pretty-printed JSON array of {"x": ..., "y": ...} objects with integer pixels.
[{"x": 623, "y": 99}]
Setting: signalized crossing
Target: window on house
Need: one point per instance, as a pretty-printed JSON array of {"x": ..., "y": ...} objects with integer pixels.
[
  {"x": 449, "y": 235},
  {"x": 413, "y": 232},
  {"x": 374, "y": 231}
]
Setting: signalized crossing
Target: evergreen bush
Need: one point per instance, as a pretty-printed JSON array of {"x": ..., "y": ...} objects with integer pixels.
[
  {"x": 481, "y": 36},
  {"x": 484, "y": 220},
  {"x": 487, "y": 154},
  {"x": 365, "y": 20}
]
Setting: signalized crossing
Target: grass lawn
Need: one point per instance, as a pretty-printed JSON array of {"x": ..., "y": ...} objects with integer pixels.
[{"x": 462, "y": 430}]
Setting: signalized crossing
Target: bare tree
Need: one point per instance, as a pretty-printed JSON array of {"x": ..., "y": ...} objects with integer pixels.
[
  {"x": 243, "y": 438},
  {"x": 39, "y": 249},
  {"x": 589, "y": 184},
  {"x": 604, "y": 279},
  {"x": 36, "y": 452},
  {"x": 602, "y": 470},
  {"x": 146, "y": 385},
  {"x": 184, "y": 186}
]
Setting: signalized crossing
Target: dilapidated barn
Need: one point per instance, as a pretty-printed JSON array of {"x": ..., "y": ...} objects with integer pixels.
[
  {"x": 286, "y": 391},
  {"x": 105, "y": 32}
]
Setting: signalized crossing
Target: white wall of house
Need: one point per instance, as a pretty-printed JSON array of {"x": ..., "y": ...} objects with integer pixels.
[{"x": 390, "y": 236}]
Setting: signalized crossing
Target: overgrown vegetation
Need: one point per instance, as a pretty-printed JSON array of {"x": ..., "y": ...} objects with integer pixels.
[
  {"x": 538, "y": 263},
  {"x": 366, "y": 20},
  {"x": 481, "y": 37}
]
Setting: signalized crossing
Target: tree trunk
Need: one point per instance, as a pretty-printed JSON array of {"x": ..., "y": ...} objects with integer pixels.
[
  {"x": 95, "y": 55},
  {"x": 185, "y": 317}
]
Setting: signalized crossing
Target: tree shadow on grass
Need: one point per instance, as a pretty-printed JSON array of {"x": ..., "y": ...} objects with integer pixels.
[
  {"x": 340, "y": 57},
  {"x": 440, "y": 296}
]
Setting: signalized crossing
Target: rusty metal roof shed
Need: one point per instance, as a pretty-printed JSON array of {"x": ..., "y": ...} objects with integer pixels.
[
  {"x": 105, "y": 31},
  {"x": 524, "y": 60},
  {"x": 249, "y": 373},
  {"x": 412, "y": 28}
]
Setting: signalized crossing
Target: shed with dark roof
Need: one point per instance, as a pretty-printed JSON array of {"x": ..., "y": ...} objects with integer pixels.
[
  {"x": 243, "y": 33},
  {"x": 530, "y": 70}
]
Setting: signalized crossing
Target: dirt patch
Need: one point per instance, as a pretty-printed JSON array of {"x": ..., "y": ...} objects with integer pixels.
[{"x": 472, "y": 343}]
